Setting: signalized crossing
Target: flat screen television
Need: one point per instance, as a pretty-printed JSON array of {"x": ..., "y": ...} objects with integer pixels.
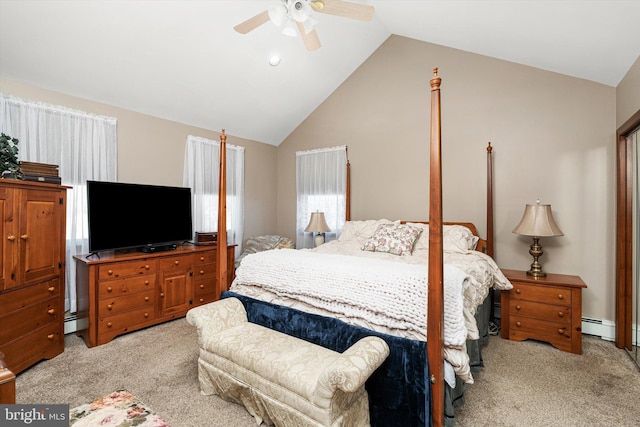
[{"x": 137, "y": 216}]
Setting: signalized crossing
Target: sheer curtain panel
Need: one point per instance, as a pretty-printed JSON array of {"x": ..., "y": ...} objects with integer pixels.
[
  {"x": 321, "y": 186},
  {"x": 201, "y": 174},
  {"x": 84, "y": 147}
]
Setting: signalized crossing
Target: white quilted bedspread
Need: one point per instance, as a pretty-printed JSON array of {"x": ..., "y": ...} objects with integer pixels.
[{"x": 380, "y": 292}]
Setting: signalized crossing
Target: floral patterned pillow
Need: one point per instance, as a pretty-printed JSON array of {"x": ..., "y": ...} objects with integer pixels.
[{"x": 397, "y": 239}]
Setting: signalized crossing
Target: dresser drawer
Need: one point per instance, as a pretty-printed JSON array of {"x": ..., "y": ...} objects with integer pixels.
[
  {"x": 543, "y": 294},
  {"x": 553, "y": 313},
  {"x": 126, "y": 269},
  {"x": 116, "y": 305},
  {"x": 180, "y": 261},
  {"x": 558, "y": 334},
  {"x": 205, "y": 286},
  {"x": 123, "y": 322},
  {"x": 205, "y": 298},
  {"x": 204, "y": 270},
  {"x": 20, "y": 298},
  {"x": 126, "y": 286},
  {"x": 29, "y": 319},
  {"x": 205, "y": 258},
  {"x": 42, "y": 343}
]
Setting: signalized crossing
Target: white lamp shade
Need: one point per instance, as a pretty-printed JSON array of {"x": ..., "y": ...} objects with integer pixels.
[
  {"x": 538, "y": 221},
  {"x": 317, "y": 223}
]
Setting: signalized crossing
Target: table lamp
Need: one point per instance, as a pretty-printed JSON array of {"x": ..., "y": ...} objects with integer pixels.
[
  {"x": 537, "y": 222},
  {"x": 317, "y": 224}
]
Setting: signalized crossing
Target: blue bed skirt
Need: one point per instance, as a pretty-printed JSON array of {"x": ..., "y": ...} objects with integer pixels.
[{"x": 396, "y": 389}]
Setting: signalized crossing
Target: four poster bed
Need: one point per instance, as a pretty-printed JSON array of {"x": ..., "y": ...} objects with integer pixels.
[{"x": 373, "y": 281}]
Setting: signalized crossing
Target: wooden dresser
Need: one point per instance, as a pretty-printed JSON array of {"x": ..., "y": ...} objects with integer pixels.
[
  {"x": 124, "y": 292},
  {"x": 32, "y": 272},
  {"x": 546, "y": 309}
]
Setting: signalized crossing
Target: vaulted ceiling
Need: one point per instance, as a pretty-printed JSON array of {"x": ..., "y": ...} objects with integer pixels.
[{"x": 182, "y": 60}]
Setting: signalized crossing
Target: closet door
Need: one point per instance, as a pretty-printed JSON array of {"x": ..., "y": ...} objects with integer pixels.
[{"x": 628, "y": 238}]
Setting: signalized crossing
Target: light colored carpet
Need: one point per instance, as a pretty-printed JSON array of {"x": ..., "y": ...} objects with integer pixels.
[{"x": 523, "y": 384}]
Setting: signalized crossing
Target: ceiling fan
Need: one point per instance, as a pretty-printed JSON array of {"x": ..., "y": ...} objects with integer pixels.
[{"x": 294, "y": 17}]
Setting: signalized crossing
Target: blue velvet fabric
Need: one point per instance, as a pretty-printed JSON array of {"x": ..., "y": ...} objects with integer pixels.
[{"x": 396, "y": 389}]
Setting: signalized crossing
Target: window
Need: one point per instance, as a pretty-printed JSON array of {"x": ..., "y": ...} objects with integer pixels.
[
  {"x": 83, "y": 146},
  {"x": 201, "y": 174},
  {"x": 321, "y": 185}
]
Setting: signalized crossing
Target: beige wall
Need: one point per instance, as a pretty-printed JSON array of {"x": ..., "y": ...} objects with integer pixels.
[
  {"x": 151, "y": 151},
  {"x": 553, "y": 139},
  {"x": 628, "y": 95}
]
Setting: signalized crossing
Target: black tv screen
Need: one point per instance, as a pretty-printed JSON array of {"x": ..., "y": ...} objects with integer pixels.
[{"x": 126, "y": 216}]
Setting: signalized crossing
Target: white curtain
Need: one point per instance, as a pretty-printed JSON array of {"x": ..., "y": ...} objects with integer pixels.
[
  {"x": 84, "y": 147},
  {"x": 321, "y": 185},
  {"x": 201, "y": 174}
]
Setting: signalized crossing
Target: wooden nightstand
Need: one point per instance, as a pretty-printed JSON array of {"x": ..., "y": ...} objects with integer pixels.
[{"x": 546, "y": 309}]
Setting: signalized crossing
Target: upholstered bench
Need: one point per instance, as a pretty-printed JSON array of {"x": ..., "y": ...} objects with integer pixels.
[{"x": 282, "y": 380}]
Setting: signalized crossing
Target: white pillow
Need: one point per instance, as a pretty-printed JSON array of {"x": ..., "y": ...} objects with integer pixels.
[
  {"x": 360, "y": 231},
  {"x": 455, "y": 238},
  {"x": 458, "y": 238}
]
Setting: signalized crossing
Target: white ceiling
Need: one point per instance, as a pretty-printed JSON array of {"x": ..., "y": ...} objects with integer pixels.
[{"x": 182, "y": 60}]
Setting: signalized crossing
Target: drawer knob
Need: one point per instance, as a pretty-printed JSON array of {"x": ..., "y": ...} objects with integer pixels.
[
  {"x": 11, "y": 237},
  {"x": 201, "y": 299},
  {"x": 161, "y": 294},
  {"x": 518, "y": 307},
  {"x": 561, "y": 314},
  {"x": 110, "y": 272},
  {"x": 201, "y": 258},
  {"x": 201, "y": 286},
  {"x": 146, "y": 282},
  {"x": 146, "y": 315},
  {"x": 518, "y": 324},
  {"x": 560, "y": 296},
  {"x": 51, "y": 311},
  {"x": 24, "y": 237},
  {"x": 109, "y": 289},
  {"x": 50, "y": 336},
  {"x": 146, "y": 298},
  {"x": 518, "y": 291},
  {"x": 201, "y": 271},
  {"x": 110, "y": 306},
  {"x": 146, "y": 267},
  {"x": 109, "y": 324},
  {"x": 561, "y": 331},
  {"x": 51, "y": 289},
  {"x": 176, "y": 262}
]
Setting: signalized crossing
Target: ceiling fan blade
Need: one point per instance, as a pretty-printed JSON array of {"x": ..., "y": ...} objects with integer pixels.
[
  {"x": 362, "y": 12},
  {"x": 310, "y": 39},
  {"x": 252, "y": 23}
]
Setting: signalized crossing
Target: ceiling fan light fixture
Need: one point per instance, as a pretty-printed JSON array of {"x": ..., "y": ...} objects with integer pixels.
[
  {"x": 278, "y": 14},
  {"x": 299, "y": 10},
  {"x": 290, "y": 29}
]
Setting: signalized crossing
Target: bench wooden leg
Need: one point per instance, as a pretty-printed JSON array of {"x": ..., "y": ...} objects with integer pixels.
[{"x": 7, "y": 383}]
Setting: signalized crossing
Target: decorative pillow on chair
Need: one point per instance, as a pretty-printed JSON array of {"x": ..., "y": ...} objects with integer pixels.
[{"x": 397, "y": 239}]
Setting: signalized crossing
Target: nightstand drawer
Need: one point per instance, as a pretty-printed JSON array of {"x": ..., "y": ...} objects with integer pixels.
[
  {"x": 536, "y": 310},
  {"x": 541, "y": 293},
  {"x": 558, "y": 334}
]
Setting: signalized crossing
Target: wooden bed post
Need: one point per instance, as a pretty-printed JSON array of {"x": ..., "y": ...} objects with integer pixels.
[
  {"x": 489, "y": 202},
  {"x": 348, "y": 192},
  {"x": 435, "y": 295},
  {"x": 221, "y": 267}
]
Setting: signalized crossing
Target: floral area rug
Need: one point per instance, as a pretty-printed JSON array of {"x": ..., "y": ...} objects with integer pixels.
[{"x": 118, "y": 409}]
